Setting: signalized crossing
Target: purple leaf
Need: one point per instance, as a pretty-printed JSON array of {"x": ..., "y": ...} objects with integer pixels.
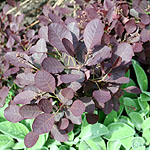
[
  {"x": 45, "y": 81},
  {"x": 30, "y": 33},
  {"x": 120, "y": 80},
  {"x": 92, "y": 118},
  {"x": 63, "y": 124},
  {"x": 56, "y": 32},
  {"x": 30, "y": 111},
  {"x": 10, "y": 42},
  {"x": 69, "y": 46},
  {"x": 145, "y": 19},
  {"x": 125, "y": 51},
  {"x": 40, "y": 47},
  {"x": 31, "y": 139},
  {"x": 52, "y": 65},
  {"x": 11, "y": 113},
  {"x": 55, "y": 18},
  {"x": 130, "y": 26},
  {"x": 99, "y": 56},
  {"x": 3, "y": 94},
  {"x": 77, "y": 108},
  {"x": 102, "y": 96},
  {"x": 74, "y": 29},
  {"x": 67, "y": 93},
  {"x": 89, "y": 104},
  {"x": 43, "y": 123},
  {"x": 75, "y": 86},
  {"x": 133, "y": 89},
  {"x": 67, "y": 78},
  {"x": 45, "y": 105},
  {"x": 119, "y": 29},
  {"x": 24, "y": 97},
  {"x": 18, "y": 59},
  {"x": 145, "y": 35},
  {"x": 137, "y": 47},
  {"x": 74, "y": 119},
  {"x": 44, "y": 20},
  {"x": 57, "y": 135},
  {"x": 11, "y": 71},
  {"x": 43, "y": 33},
  {"x": 25, "y": 79},
  {"x": 93, "y": 33}
]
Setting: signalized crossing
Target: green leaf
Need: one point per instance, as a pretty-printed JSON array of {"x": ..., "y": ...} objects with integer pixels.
[
  {"x": 141, "y": 76},
  {"x": 126, "y": 120},
  {"x": 146, "y": 135},
  {"x": 15, "y": 130},
  {"x": 93, "y": 131},
  {"x": 54, "y": 147},
  {"x": 140, "y": 148},
  {"x": 127, "y": 142},
  {"x": 136, "y": 119},
  {"x": 144, "y": 97},
  {"x": 111, "y": 145},
  {"x": 144, "y": 106},
  {"x": 50, "y": 142},
  {"x": 111, "y": 117},
  {"x": 6, "y": 142},
  {"x": 96, "y": 144},
  {"x": 119, "y": 131},
  {"x": 63, "y": 147},
  {"x": 146, "y": 124},
  {"x": 131, "y": 105},
  {"x": 137, "y": 142},
  {"x": 19, "y": 145},
  {"x": 84, "y": 146},
  {"x": 93, "y": 144}
]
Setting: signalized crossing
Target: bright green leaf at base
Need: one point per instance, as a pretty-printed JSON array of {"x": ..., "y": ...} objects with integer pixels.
[
  {"x": 113, "y": 145},
  {"x": 5, "y": 142},
  {"x": 119, "y": 131},
  {"x": 15, "y": 130},
  {"x": 141, "y": 76}
]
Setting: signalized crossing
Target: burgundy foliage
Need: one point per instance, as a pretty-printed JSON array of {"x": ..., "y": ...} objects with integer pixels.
[{"x": 71, "y": 65}]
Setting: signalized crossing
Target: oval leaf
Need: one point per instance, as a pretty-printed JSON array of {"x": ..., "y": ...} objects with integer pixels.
[
  {"x": 93, "y": 33},
  {"x": 30, "y": 111},
  {"x": 43, "y": 123},
  {"x": 67, "y": 78},
  {"x": 14, "y": 130},
  {"x": 31, "y": 139},
  {"x": 125, "y": 51},
  {"x": 45, "y": 105},
  {"x": 69, "y": 46},
  {"x": 68, "y": 93},
  {"x": 119, "y": 131},
  {"x": 24, "y": 97},
  {"x": 141, "y": 76},
  {"x": 52, "y": 65},
  {"x": 102, "y": 96},
  {"x": 63, "y": 124},
  {"x": 45, "y": 81},
  {"x": 56, "y": 32},
  {"x": 11, "y": 113},
  {"x": 77, "y": 108},
  {"x": 57, "y": 135}
]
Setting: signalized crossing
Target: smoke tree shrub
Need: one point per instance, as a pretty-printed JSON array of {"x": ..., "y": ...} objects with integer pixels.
[{"x": 71, "y": 64}]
